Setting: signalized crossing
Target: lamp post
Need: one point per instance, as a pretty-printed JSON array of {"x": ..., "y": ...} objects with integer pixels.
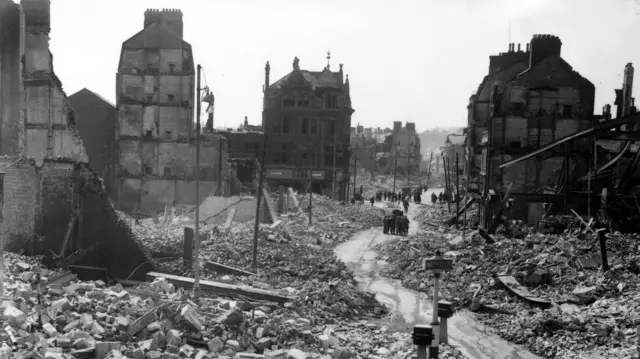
[{"x": 208, "y": 97}]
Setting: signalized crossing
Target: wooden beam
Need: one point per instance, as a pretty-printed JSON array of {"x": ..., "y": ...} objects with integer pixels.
[
  {"x": 230, "y": 216},
  {"x": 222, "y": 288},
  {"x": 224, "y": 269}
]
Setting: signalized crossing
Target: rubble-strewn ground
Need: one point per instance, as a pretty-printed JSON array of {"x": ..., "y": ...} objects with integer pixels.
[
  {"x": 327, "y": 317},
  {"x": 594, "y": 315}
]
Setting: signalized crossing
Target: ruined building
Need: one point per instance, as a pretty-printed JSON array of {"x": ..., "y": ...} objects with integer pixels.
[
  {"x": 528, "y": 99},
  {"x": 307, "y": 117},
  {"x": 52, "y": 203},
  {"x": 96, "y": 121},
  {"x": 155, "y": 131},
  {"x": 404, "y": 144}
]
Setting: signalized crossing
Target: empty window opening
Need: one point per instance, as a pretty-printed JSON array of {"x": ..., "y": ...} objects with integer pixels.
[
  {"x": 331, "y": 101},
  {"x": 172, "y": 67},
  {"x": 314, "y": 126},
  {"x": 304, "y": 100},
  {"x": 167, "y": 171},
  {"x": 147, "y": 169},
  {"x": 149, "y": 133},
  {"x": 170, "y": 97},
  {"x": 305, "y": 126},
  {"x": 567, "y": 111},
  {"x": 149, "y": 98},
  {"x": 168, "y": 133}
]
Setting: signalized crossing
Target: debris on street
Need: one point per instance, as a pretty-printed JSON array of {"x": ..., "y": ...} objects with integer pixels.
[{"x": 586, "y": 309}]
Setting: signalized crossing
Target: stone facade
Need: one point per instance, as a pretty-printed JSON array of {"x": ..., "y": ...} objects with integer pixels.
[
  {"x": 529, "y": 99},
  {"x": 306, "y": 114},
  {"x": 155, "y": 131}
]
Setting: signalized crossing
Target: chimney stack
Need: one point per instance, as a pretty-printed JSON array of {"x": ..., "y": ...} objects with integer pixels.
[
  {"x": 519, "y": 49},
  {"x": 627, "y": 90},
  {"x": 542, "y": 47},
  {"x": 267, "y": 69}
]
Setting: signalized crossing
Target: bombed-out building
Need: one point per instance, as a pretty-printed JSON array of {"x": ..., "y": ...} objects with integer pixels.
[
  {"x": 53, "y": 204},
  {"x": 96, "y": 120},
  {"x": 307, "y": 120},
  {"x": 529, "y": 98},
  {"x": 155, "y": 131}
]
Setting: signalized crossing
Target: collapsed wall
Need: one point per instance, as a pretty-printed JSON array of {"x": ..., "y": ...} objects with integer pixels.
[
  {"x": 39, "y": 206},
  {"x": 52, "y": 204}
]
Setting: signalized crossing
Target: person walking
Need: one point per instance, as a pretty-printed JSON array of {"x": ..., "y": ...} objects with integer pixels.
[{"x": 406, "y": 205}]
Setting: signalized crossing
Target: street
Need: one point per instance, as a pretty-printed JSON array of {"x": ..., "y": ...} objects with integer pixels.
[{"x": 409, "y": 308}]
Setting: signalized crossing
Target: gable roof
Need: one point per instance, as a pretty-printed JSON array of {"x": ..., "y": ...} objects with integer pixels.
[
  {"x": 553, "y": 71},
  {"x": 91, "y": 93},
  {"x": 155, "y": 35},
  {"x": 314, "y": 79}
]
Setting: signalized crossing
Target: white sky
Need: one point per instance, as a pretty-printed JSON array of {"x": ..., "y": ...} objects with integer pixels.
[{"x": 407, "y": 60}]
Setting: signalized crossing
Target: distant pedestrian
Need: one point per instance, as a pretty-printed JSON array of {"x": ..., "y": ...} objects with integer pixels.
[
  {"x": 406, "y": 205},
  {"x": 434, "y": 198},
  {"x": 372, "y": 200}
]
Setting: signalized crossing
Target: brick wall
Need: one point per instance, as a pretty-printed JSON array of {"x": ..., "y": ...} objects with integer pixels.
[
  {"x": 57, "y": 186},
  {"x": 21, "y": 187}
]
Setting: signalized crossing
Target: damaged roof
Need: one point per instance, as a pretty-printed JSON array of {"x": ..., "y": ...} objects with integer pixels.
[{"x": 314, "y": 79}]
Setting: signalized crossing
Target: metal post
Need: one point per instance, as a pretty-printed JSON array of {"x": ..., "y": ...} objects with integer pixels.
[
  {"x": 433, "y": 350},
  {"x": 466, "y": 193},
  {"x": 603, "y": 251},
  {"x": 355, "y": 168},
  {"x": 333, "y": 184},
  {"x": 310, "y": 201},
  {"x": 457, "y": 197},
  {"x": 395, "y": 169},
  {"x": 428, "y": 173},
  {"x": 256, "y": 225},
  {"x": 446, "y": 181},
  {"x": 566, "y": 179},
  {"x": 196, "y": 260}
]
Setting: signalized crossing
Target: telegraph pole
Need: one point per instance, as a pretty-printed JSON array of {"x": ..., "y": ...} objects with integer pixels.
[
  {"x": 457, "y": 197},
  {"x": 310, "y": 201},
  {"x": 395, "y": 170},
  {"x": 428, "y": 173},
  {"x": 333, "y": 185},
  {"x": 355, "y": 168},
  {"x": 196, "y": 260},
  {"x": 256, "y": 225}
]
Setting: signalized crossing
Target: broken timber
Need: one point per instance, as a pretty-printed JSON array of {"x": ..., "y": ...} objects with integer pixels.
[
  {"x": 520, "y": 291},
  {"x": 293, "y": 197},
  {"x": 222, "y": 288},
  {"x": 230, "y": 216},
  {"x": 470, "y": 201},
  {"x": 223, "y": 269}
]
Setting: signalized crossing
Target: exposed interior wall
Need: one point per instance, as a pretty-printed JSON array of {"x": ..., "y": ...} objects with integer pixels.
[
  {"x": 11, "y": 51},
  {"x": 95, "y": 119}
]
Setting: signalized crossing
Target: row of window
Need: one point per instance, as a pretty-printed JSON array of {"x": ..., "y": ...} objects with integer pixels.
[
  {"x": 289, "y": 100},
  {"x": 306, "y": 126}
]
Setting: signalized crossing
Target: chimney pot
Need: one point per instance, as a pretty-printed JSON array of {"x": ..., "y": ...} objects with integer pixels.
[{"x": 519, "y": 49}]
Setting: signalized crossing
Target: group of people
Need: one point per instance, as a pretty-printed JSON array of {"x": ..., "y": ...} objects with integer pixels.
[
  {"x": 389, "y": 196},
  {"x": 396, "y": 225},
  {"x": 444, "y": 198}
]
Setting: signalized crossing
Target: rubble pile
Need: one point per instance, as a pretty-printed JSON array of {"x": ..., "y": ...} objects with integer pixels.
[
  {"x": 349, "y": 218},
  {"x": 589, "y": 311},
  {"x": 55, "y": 319}
]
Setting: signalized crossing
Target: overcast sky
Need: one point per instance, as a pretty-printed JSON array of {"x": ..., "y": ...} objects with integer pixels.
[{"x": 407, "y": 60}]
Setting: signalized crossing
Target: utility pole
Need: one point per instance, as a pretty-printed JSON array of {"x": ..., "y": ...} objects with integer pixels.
[
  {"x": 457, "y": 197},
  {"x": 446, "y": 181},
  {"x": 256, "y": 225},
  {"x": 333, "y": 185},
  {"x": 355, "y": 168},
  {"x": 395, "y": 169},
  {"x": 310, "y": 201},
  {"x": 196, "y": 260},
  {"x": 428, "y": 173}
]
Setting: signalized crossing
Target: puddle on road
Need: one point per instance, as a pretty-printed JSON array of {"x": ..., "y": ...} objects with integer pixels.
[{"x": 409, "y": 308}]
